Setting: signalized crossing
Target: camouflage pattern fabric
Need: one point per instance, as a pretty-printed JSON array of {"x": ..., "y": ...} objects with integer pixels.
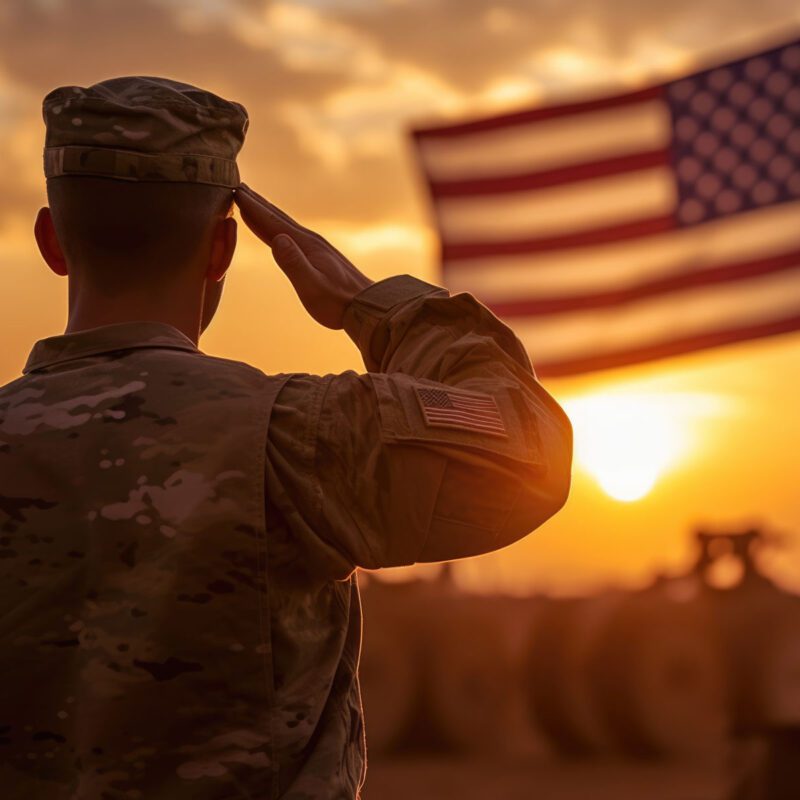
[
  {"x": 179, "y": 538},
  {"x": 143, "y": 128}
]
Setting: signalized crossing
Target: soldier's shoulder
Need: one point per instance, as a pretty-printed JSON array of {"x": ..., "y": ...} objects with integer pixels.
[
  {"x": 247, "y": 370},
  {"x": 234, "y": 365},
  {"x": 9, "y": 388}
]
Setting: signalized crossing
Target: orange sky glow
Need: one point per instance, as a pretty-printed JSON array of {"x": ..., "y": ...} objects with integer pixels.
[{"x": 709, "y": 439}]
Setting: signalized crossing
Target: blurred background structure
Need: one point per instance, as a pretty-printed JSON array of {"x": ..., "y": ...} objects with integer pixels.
[
  {"x": 693, "y": 680},
  {"x": 487, "y": 670}
]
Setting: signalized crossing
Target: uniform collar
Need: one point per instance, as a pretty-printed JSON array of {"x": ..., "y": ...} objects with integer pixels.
[{"x": 116, "y": 336}]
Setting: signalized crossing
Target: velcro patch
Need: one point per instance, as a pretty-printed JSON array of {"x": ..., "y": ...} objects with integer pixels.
[{"x": 455, "y": 408}]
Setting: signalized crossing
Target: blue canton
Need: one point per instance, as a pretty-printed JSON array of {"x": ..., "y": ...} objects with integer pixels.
[{"x": 736, "y": 136}]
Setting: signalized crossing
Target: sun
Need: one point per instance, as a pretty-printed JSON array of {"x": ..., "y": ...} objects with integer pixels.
[{"x": 628, "y": 440}]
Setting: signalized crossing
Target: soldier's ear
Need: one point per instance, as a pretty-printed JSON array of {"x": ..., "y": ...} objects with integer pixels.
[
  {"x": 46, "y": 239},
  {"x": 223, "y": 246}
]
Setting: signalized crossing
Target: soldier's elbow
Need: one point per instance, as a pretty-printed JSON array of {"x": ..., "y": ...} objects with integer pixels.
[
  {"x": 559, "y": 461},
  {"x": 557, "y": 454},
  {"x": 536, "y": 503},
  {"x": 558, "y": 486},
  {"x": 545, "y": 492}
]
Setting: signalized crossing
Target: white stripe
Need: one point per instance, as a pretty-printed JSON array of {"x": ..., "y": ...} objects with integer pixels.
[
  {"x": 465, "y": 423},
  {"x": 752, "y": 235},
  {"x": 664, "y": 318},
  {"x": 469, "y": 420},
  {"x": 456, "y": 412},
  {"x": 465, "y": 420},
  {"x": 558, "y": 210},
  {"x": 536, "y": 146},
  {"x": 472, "y": 403}
]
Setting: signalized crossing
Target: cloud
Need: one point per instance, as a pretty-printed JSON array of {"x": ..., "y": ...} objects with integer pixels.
[
  {"x": 21, "y": 162},
  {"x": 332, "y": 86},
  {"x": 85, "y": 41}
]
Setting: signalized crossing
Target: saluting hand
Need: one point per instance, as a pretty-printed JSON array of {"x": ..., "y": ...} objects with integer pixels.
[{"x": 325, "y": 281}]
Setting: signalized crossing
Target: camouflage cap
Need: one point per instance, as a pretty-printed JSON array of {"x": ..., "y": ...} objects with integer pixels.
[{"x": 143, "y": 128}]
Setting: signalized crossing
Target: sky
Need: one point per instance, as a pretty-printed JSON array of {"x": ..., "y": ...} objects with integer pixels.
[{"x": 332, "y": 89}]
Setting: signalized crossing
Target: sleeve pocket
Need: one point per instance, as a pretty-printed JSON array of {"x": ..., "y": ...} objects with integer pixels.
[{"x": 489, "y": 420}]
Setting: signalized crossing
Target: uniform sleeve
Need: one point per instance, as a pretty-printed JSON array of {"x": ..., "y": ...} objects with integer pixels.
[{"x": 447, "y": 447}]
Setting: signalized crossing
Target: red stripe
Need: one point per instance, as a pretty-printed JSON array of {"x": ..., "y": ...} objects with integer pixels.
[
  {"x": 535, "y": 114},
  {"x": 475, "y": 414},
  {"x": 454, "y": 414},
  {"x": 455, "y": 251},
  {"x": 669, "y": 283},
  {"x": 675, "y": 347},
  {"x": 445, "y": 414},
  {"x": 476, "y": 425},
  {"x": 550, "y": 177},
  {"x": 479, "y": 414},
  {"x": 471, "y": 425},
  {"x": 483, "y": 404}
]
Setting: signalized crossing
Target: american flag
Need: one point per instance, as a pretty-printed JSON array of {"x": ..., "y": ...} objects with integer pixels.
[
  {"x": 455, "y": 408},
  {"x": 631, "y": 227}
]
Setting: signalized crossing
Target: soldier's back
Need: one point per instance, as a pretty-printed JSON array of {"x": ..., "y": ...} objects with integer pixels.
[{"x": 161, "y": 634}]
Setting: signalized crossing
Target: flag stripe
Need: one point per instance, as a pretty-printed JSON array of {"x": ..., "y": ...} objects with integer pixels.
[
  {"x": 761, "y": 233},
  {"x": 537, "y": 114},
  {"x": 545, "y": 145},
  {"x": 676, "y": 282},
  {"x": 454, "y": 251},
  {"x": 456, "y": 412},
  {"x": 670, "y": 347},
  {"x": 472, "y": 401},
  {"x": 461, "y": 421},
  {"x": 565, "y": 337},
  {"x": 632, "y": 227},
  {"x": 552, "y": 177},
  {"x": 558, "y": 210},
  {"x": 478, "y": 410}
]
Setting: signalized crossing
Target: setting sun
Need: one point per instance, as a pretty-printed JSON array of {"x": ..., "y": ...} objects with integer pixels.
[{"x": 628, "y": 440}]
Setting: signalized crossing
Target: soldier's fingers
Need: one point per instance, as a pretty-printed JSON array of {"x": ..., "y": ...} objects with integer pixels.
[
  {"x": 251, "y": 193},
  {"x": 264, "y": 222},
  {"x": 292, "y": 260},
  {"x": 265, "y": 219}
]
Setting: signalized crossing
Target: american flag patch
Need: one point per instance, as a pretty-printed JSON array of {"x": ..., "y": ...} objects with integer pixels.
[{"x": 452, "y": 408}]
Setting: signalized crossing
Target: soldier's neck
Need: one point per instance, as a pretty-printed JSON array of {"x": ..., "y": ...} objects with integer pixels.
[{"x": 89, "y": 309}]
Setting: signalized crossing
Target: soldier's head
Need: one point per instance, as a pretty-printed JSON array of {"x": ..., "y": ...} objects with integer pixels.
[
  {"x": 115, "y": 237},
  {"x": 140, "y": 177}
]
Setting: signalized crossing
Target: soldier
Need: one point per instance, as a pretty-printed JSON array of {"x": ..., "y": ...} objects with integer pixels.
[{"x": 179, "y": 607}]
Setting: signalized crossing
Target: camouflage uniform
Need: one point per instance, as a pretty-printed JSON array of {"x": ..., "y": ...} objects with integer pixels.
[{"x": 179, "y": 537}]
